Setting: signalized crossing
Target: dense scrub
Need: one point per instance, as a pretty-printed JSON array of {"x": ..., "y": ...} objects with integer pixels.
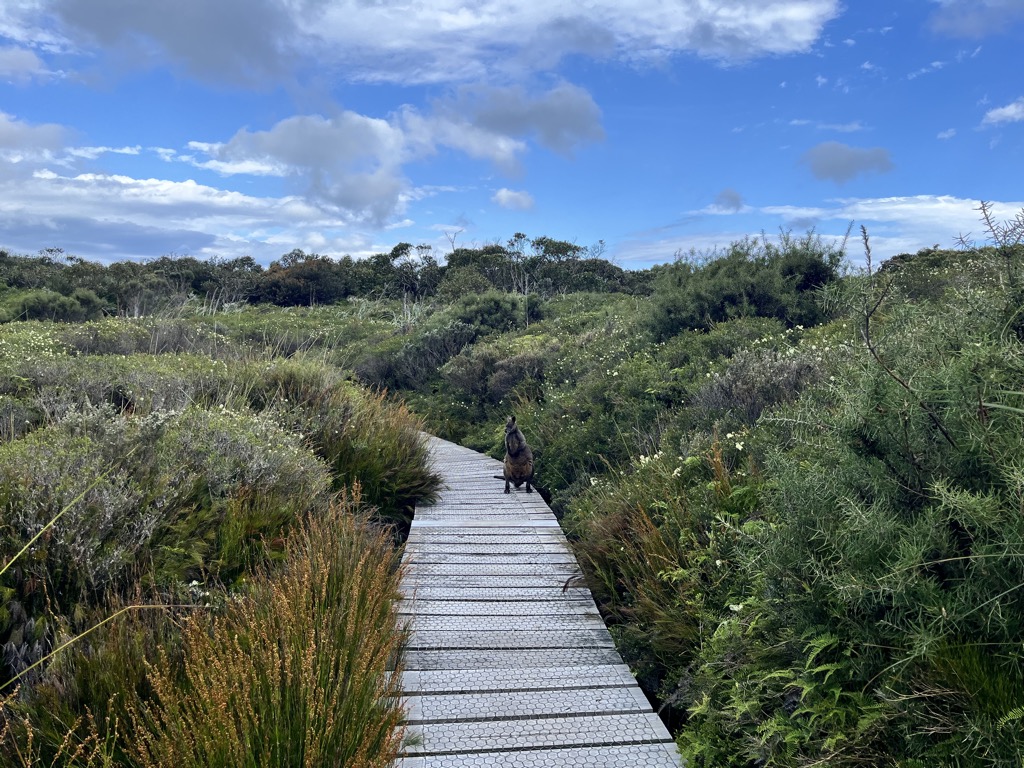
[
  {"x": 798, "y": 494},
  {"x": 840, "y": 581},
  {"x": 803, "y": 520},
  {"x": 186, "y": 497}
]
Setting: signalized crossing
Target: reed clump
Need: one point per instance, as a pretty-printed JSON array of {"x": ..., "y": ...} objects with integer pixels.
[{"x": 302, "y": 670}]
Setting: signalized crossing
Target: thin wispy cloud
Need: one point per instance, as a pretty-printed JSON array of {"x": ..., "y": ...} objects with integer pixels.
[
  {"x": 935, "y": 66},
  {"x": 851, "y": 127}
]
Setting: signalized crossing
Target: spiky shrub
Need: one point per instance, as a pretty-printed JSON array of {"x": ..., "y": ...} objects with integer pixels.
[
  {"x": 164, "y": 499},
  {"x": 302, "y": 670},
  {"x": 884, "y": 617},
  {"x": 135, "y": 384},
  {"x": 753, "y": 381},
  {"x": 362, "y": 437},
  {"x": 658, "y": 543}
]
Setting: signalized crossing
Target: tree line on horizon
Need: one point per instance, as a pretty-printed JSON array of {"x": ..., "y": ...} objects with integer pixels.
[{"x": 58, "y": 286}]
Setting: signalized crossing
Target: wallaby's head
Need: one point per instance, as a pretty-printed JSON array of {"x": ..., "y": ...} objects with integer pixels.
[{"x": 510, "y": 425}]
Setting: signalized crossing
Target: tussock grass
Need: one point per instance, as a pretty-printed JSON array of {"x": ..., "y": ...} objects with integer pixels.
[
  {"x": 301, "y": 668},
  {"x": 300, "y": 671}
]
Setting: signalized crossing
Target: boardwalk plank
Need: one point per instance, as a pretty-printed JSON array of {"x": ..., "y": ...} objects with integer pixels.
[{"x": 509, "y": 664}]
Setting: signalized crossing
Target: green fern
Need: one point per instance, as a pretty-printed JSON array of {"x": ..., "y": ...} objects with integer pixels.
[{"x": 1017, "y": 713}]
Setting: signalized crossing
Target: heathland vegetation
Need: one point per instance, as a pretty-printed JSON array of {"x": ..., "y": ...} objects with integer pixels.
[{"x": 796, "y": 488}]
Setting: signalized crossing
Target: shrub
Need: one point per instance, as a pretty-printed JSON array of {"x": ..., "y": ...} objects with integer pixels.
[
  {"x": 44, "y": 304},
  {"x": 491, "y": 311},
  {"x": 881, "y": 621},
  {"x": 462, "y": 281},
  {"x": 753, "y": 381},
  {"x": 658, "y": 543},
  {"x": 419, "y": 359},
  {"x": 754, "y": 278}
]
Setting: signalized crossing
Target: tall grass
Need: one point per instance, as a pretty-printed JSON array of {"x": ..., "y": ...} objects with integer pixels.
[
  {"x": 224, "y": 508},
  {"x": 301, "y": 671},
  {"x": 302, "y": 668}
]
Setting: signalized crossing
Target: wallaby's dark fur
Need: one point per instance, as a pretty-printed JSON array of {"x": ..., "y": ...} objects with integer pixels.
[{"x": 518, "y": 457}]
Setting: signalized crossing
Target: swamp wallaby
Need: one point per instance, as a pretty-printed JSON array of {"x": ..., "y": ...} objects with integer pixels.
[{"x": 518, "y": 457}]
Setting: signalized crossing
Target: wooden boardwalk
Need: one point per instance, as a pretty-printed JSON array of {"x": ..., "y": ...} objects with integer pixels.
[{"x": 510, "y": 665}]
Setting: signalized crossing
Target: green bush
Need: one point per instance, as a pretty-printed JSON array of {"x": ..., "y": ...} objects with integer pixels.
[
  {"x": 462, "y": 281},
  {"x": 881, "y": 621},
  {"x": 755, "y": 278},
  {"x": 753, "y": 381},
  {"x": 491, "y": 311},
  {"x": 45, "y": 304}
]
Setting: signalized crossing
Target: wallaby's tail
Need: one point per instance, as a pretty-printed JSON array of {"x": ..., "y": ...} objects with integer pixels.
[{"x": 498, "y": 477}]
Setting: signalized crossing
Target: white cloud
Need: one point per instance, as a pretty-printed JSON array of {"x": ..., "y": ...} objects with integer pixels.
[
  {"x": 19, "y": 64},
  {"x": 851, "y": 127},
  {"x": 935, "y": 66},
  {"x": 24, "y": 145},
  {"x": 258, "y": 41},
  {"x": 820, "y": 80},
  {"x": 949, "y": 133},
  {"x": 91, "y": 153},
  {"x": 904, "y": 223},
  {"x": 849, "y": 42},
  {"x": 16, "y": 134},
  {"x": 895, "y": 225},
  {"x": 977, "y": 18},
  {"x": 513, "y": 200},
  {"x": 349, "y": 160},
  {"x": 494, "y": 123},
  {"x": 1011, "y": 113},
  {"x": 841, "y": 162},
  {"x": 356, "y": 162},
  {"x": 116, "y": 216},
  {"x": 560, "y": 118}
]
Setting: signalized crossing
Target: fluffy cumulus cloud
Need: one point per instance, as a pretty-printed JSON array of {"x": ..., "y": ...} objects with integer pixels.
[
  {"x": 116, "y": 217},
  {"x": 19, "y": 64},
  {"x": 356, "y": 162},
  {"x": 977, "y": 18},
  {"x": 839, "y": 162},
  {"x": 349, "y": 160},
  {"x": 255, "y": 41},
  {"x": 513, "y": 200},
  {"x": 496, "y": 122},
  {"x": 23, "y": 146},
  {"x": 1011, "y": 113}
]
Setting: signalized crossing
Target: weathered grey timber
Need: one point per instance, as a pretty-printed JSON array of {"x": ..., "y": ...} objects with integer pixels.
[{"x": 509, "y": 664}]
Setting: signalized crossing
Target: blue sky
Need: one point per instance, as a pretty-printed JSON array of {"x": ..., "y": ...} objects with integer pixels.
[{"x": 133, "y": 129}]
